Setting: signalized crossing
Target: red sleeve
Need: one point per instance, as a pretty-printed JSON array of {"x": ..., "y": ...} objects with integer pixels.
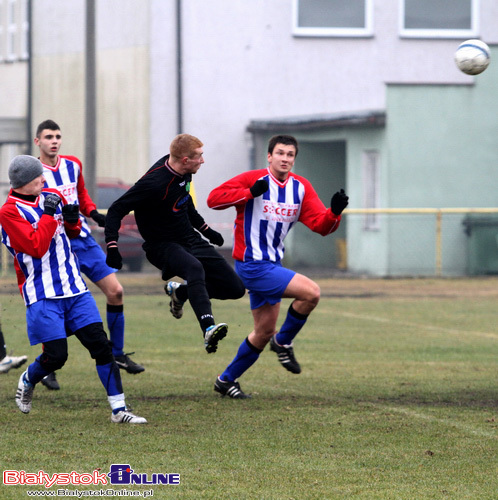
[
  {"x": 314, "y": 214},
  {"x": 72, "y": 230},
  {"x": 86, "y": 203},
  {"x": 23, "y": 237},
  {"x": 235, "y": 191}
]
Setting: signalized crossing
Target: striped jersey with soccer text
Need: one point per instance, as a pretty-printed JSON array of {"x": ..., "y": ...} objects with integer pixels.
[
  {"x": 67, "y": 177},
  {"x": 262, "y": 223}
]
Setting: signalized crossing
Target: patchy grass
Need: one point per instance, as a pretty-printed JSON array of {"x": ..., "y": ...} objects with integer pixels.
[{"x": 397, "y": 400}]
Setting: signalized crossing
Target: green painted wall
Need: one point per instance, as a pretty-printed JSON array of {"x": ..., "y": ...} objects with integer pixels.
[
  {"x": 439, "y": 149},
  {"x": 442, "y": 151}
]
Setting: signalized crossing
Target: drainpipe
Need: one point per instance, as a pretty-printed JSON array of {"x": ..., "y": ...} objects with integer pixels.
[
  {"x": 179, "y": 87},
  {"x": 29, "y": 104},
  {"x": 90, "y": 102}
]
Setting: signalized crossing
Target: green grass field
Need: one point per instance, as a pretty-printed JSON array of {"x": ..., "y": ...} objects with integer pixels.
[{"x": 398, "y": 399}]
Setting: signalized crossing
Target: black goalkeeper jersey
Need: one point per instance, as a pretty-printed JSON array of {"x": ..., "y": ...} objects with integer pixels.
[{"x": 163, "y": 207}]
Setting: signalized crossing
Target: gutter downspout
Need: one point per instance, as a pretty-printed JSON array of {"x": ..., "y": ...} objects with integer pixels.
[
  {"x": 179, "y": 87},
  {"x": 29, "y": 103}
]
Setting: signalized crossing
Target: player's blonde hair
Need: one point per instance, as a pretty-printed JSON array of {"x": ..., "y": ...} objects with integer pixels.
[{"x": 183, "y": 145}]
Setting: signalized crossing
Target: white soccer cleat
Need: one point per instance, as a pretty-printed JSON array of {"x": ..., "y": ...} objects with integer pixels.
[
  {"x": 175, "y": 305},
  {"x": 10, "y": 362},
  {"x": 24, "y": 394},
  {"x": 127, "y": 417}
]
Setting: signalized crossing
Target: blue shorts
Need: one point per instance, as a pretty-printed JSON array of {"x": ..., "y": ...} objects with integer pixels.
[
  {"x": 52, "y": 319},
  {"x": 266, "y": 281},
  {"x": 91, "y": 258}
]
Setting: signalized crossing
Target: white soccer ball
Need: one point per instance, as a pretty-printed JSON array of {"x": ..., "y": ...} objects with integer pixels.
[{"x": 472, "y": 57}]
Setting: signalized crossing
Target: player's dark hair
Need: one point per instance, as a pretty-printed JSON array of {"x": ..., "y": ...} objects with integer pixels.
[
  {"x": 287, "y": 140},
  {"x": 46, "y": 124}
]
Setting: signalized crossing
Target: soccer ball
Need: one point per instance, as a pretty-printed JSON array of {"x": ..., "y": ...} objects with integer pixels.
[{"x": 472, "y": 57}]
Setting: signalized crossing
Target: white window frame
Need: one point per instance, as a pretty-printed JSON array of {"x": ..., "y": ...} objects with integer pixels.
[
  {"x": 2, "y": 30},
  {"x": 370, "y": 166},
  {"x": 24, "y": 31},
  {"x": 366, "y": 31},
  {"x": 12, "y": 30},
  {"x": 441, "y": 33}
]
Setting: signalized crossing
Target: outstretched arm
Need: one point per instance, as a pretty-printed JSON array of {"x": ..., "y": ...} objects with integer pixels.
[{"x": 238, "y": 190}]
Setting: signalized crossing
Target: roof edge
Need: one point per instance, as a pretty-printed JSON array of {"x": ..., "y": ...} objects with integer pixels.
[{"x": 374, "y": 118}]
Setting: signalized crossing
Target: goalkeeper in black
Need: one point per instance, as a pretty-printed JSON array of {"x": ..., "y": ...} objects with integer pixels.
[{"x": 172, "y": 228}]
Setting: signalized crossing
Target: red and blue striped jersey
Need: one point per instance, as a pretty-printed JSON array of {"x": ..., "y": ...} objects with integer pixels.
[
  {"x": 45, "y": 264},
  {"x": 67, "y": 177},
  {"x": 262, "y": 223}
]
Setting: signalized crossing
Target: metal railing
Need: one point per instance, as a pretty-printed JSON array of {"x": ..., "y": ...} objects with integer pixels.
[{"x": 437, "y": 212}]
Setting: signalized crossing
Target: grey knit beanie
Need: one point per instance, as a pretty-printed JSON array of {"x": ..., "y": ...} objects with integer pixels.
[{"x": 23, "y": 169}]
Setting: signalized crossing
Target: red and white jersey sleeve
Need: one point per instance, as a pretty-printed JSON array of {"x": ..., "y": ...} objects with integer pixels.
[
  {"x": 262, "y": 223},
  {"x": 45, "y": 264},
  {"x": 67, "y": 177}
]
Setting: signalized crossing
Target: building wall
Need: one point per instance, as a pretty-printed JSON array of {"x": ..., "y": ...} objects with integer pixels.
[
  {"x": 259, "y": 70},
  {"x": 243, "y": 63},
  {"x": 440, "y": 152},
  {"x": 122, "y": 79}
]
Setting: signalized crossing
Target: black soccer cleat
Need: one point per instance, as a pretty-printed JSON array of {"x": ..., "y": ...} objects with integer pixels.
[
  {"x": 230, "y": 389},
  {"x": 285, "y": 356},
  {"x": 50, "y": 382},
  {"x": 126, "y": 363}
]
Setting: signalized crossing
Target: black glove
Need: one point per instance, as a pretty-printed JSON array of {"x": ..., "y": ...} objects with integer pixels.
[
  {"x": 51, "y": 202},
  {"x": 71, "y": 213},
  {"x": 339, "y": 202},
  {"x": 114, "y": 258},
  {"x": 213, "y": 236},
  {"x": 98, "y": 218},
  {"x": 259, "y": 187}
]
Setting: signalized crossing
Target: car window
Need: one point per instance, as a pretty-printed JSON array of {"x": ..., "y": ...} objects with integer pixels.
[{"x": 106, "y": 195}]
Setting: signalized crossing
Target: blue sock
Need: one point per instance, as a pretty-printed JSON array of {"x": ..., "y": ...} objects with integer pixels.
[
  {"x": 111, "y": 379},
  {"x": 291, "y": 327},
  {"x": 36, "y": 372},
  {"x": 116, "y": 325},
  {"x": 246, "y": 356}
]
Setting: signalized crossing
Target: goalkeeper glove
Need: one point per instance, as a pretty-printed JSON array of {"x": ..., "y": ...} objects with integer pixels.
[
  {"x": 98, "y": 218},
  {"x": 114, "y": 258},
  {"x": 213, "y": 236}
]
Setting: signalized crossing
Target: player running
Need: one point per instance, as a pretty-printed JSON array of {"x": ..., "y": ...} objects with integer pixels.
[
  {"x": 65, "y": 173},
  {"x": 268, "y": 203},
  {"x": 37, "y": 226},
  {"x": 172, "y": 229}
]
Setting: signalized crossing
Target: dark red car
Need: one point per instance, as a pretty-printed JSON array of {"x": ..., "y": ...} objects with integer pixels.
[{"x": 130, "y": 241}]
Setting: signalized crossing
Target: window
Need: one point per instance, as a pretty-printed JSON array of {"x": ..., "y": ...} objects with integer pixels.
[
  {"x": 371, "y": 181},
  {"x": 2, "y": 31},
  {"x": 439, "y": 18},
  {"x": 11, "y": 30},
  {"x": 14, "y": 30},
  {"x": 24, "y": 30},
  {"x": 332, "y": 17}
]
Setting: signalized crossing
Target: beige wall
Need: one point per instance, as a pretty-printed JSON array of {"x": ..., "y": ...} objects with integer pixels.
[
  {"x": 123, "y": 113},
  {"x": 58, "y": 94},
  {"x": 13, "y": 95},
  {"x": 122, "y": 104}
]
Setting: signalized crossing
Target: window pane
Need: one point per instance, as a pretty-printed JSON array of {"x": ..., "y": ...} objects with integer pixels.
[
  {"x": 331, "y": 13},
  {"x": 438, "y": 14},
  {"x": 371, "y": 198}
]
